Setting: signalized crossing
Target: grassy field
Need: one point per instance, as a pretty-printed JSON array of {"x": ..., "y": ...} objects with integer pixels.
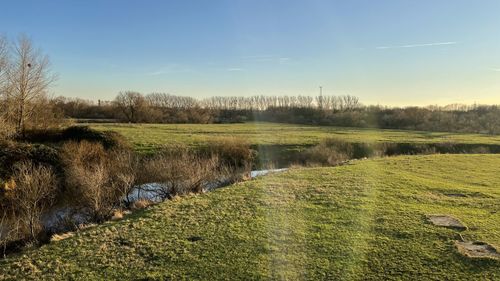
[
  {"x": 147, "y": 137},
  {"x": 364, "y": 221}
]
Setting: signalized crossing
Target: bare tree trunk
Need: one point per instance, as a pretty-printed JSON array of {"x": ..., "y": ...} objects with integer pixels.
[{"x": 29, "y": 78}]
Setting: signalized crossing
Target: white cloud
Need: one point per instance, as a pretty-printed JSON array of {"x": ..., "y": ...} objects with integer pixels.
[
  {"x": 495, "y": 69},
  {"x": 168, "y": 69},
  {"x": 267, "y": 58},
  {"x": 417, "y": 45},
  {"x": 284, "y": 60},
  {"x": 234, "y": 69}
]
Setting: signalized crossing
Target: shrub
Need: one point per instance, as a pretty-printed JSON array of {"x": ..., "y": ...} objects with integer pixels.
[
  {"x": 180, "y": 171},
  {"x": 124, "y": 167},
  {"x": 34, "y": 192},
  {"x": 232, "y": 152},
  {"x": 12, "y": 153},
  {"x": 7, "y": 129},
  {"x": 327, "y": 152},
  {"x": 87, "y": 178},
  {"x": 109, "y": 139}
]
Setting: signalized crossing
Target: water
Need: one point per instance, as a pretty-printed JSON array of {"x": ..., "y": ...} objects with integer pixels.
[
  {"x": 154, "y": 192},
  {"x": 259, "y": 173}
]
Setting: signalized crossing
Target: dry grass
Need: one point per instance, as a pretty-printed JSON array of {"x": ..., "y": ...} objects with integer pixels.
[
  {"x": 62, "y": 236},
  {"x": 141, "y": 204}
]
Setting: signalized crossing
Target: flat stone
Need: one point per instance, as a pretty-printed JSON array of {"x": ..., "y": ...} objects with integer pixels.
[
  {"x": 446, "y": 221},
  {"x": 477, "y": 249}
]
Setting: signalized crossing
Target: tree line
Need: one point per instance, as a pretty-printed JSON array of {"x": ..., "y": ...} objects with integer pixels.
[
  {"x": 26, "y": 77},
  {"x": 134, "y": 107}
]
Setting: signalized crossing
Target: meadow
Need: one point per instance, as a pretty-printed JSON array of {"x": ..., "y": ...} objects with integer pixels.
[
  {"x": 364, "y": 221},
  {"x": 149, "y": 137}
]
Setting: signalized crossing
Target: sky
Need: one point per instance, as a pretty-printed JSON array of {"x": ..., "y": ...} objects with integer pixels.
[{"x": 390, "y": 52}]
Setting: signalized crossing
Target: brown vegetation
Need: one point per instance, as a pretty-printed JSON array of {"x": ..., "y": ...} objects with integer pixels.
[
  {"x": 32, "y": 192},
  {"x": 180, "y": 171},
  {"x": 97, "y": 177},
  {"x": 25, "y": 78}
]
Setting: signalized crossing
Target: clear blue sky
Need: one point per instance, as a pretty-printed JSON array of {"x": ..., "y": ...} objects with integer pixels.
[{"x": 396, "y": 52}]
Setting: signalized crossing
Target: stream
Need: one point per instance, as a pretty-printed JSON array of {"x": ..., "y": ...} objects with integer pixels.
[{"x": 56, "y": 220}]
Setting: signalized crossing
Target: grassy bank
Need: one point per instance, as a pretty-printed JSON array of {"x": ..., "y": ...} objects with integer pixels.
[
  {"x": 363, "y": 221},
  {"x": 148, "y": 137}
]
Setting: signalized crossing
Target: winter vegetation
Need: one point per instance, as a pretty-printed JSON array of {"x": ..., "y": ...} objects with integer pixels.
[
  {"x": 361, "y": 221},
  {"x": 125, "y": 185}
]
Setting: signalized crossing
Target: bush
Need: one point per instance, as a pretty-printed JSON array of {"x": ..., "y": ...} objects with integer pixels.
[
  {"x": 328, "y": 152},
  {"x": 333, "y": 151},
  {"x": 180, "y": 172},
  {"x": 124, "y": 167},
  {"x": 33, "y": 192},
  {"x": 88, "y": 177},
  {"x": 12, "y": 153},
  {"x": 7, "y": 129},
  {"x": 233, "y": 152},
  {"x": 109, "y": 139}
]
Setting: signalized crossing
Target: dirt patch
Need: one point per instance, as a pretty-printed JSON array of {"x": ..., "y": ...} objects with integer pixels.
[
  {"x": 446, "y": 221},
  {"x": 477, "y": 249},
  {"x": 455, "y": 195}
]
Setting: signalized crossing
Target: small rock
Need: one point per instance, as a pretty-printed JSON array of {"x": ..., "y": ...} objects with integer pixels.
[
  {"x": 477, "y": 249},
  {"x": 446, "y": 221}
]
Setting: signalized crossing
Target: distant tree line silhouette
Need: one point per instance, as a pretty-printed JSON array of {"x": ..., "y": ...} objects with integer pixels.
[{"x": 133, "y": 107}]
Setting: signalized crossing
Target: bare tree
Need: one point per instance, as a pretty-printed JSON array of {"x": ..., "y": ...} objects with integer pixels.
[
  {"x": 4, "y": 59},
  {"x": 28, "y": 79},
  {"x": 6, "y": 129},
  {"x": 131, "y": 105}
]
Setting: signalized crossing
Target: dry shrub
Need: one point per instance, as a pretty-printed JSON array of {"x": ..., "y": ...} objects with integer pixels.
[
  {"x": 141, "y": 204},
  {"x": 89, "y": 177},
  {"x": 235, "y": 153},
  {"x": 7, "y": 129},
  {"x": 34, "y": 192},
  {"x": 10, "y": 230},
  {"x": 124, "y": 167},
  {"x": 181, "y": 171},
  {"x": 99, "y": 178},
  {"x": 328, "y": 152},
  {"x": 45, "y": 116}
]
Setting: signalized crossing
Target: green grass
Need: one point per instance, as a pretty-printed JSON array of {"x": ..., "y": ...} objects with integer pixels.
[
  {"x": 356, "y": 222},
  {"x": 148, "y": 137}
]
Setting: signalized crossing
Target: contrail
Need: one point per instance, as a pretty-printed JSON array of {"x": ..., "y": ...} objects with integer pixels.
[{"x": 416, "y": 45}]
